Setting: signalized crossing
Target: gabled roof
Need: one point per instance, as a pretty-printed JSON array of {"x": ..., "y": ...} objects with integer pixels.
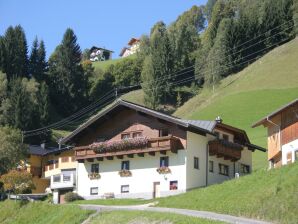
[
  {"x": 274, "y": 113},
  {"x": 43, "y": 151},
  {"x": 100, "y": 48},
  {"x": 200, "y": 126},
  {"x": 132, "y": 41}
]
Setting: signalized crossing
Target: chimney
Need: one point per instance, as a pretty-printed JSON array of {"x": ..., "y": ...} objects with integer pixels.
[{"x": 218, "y": 119}]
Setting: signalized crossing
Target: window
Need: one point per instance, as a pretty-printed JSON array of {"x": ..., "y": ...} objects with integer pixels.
[
  {"x": 124, "y": 188},
  {"x": 94, "y": 191},
  {"x": 196, "y": 163},
  {"x": 95, "y": 168},
  {"x": 217, "y": 134},
  {"x": 244, "y": 168},
  {"x": 173, "y": 185},
  {"x": 125, "y": 136},
  {"x": 211, "y": 166},
  {"x": 125, "y": 165},
  {"x": 57, "y": 178},
  {"x": 223, "y": 169},
  {"x": 164, "y": 161},
  {"x": 163, "y": 132},
  {"x": 137, "y": 134},
  {"x": 66, "y": 177},
  {"x": 225, "y": 137}
]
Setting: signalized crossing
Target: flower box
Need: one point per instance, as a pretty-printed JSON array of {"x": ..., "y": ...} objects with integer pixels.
[
  {"x": 94, "y": 176},
  {"x": 163, "y": 170},
  {"x": 125, "y": 173},
  {"x": 121, "y": 145}
]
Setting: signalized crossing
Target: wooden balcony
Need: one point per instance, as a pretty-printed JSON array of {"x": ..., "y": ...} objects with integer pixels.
[
  {"x": 160, "y": 144},
  {"x": 225, "y": 149}
]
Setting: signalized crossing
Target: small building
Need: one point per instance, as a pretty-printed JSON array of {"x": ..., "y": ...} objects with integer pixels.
[
  {"x": 130, "y": 151},
  {"x": 52, "y": 168},
  {"x": 282, "y": 134},
  {"x": 100, "y": 54},
  {"x": 133, "y": 47}
]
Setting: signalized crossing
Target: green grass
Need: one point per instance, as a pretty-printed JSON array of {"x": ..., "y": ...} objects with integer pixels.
[
  {"x": 270, "y": 195},
  {"x": 113, "y": 201},
  {"x": 40, "y": 212},
  {"x": 141, "y": 217}
]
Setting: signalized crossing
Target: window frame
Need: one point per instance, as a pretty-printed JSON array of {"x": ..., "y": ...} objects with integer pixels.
[
  {"x": 123, "y": 186},
  {"x": 225, "y": 137},
  {"x": 166, "y": 161},
  {"x": 243, "y": 168},
  {"x": 92, "y": 167},
  {"x": 225, "y": 168},
  {"x": 173, "y": 185},
  {"x": 125, "y": 162},
  {"x": 162, "y": 134},
  {"x": 211, "y": 167},
  {"x": 93, "y": 188},
  {"x": 139, "y": 133},
  {"x": 196, "y": 163},
  {"x": 125, "y": 134}
]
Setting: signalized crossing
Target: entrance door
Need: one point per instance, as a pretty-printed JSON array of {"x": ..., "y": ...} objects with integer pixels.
[
  {"x": 62, "y": 195},
  {"x": 156, "y": 189}
]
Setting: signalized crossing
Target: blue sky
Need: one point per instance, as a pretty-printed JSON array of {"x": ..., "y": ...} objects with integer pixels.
[{"x": 107, "y": 24}]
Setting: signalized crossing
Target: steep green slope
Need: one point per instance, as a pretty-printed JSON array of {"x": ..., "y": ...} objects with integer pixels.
[
  {"x": 103, "y": 65},
  {"x": 245, "y": 97},
  {"x": 270, "y": 195}
]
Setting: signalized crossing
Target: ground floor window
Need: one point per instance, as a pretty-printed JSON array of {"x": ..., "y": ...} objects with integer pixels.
[
  {"x": 223, "y": 169},
  {"x": 244, "y": 168},
  {"x": 94, "y": 190},
  {"x": 124, "y": 188},
  {"x": 57, "y": 178},
  {"x": 173, "y": 185},
  {"x": 211, "y": 166},
  {"x": 196, "y": 162}
]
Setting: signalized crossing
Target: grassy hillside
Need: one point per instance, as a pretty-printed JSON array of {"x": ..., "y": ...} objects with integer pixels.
[
  {"x": 270, "y": 195},
  {"x": 40, "y": 212},
  {"x": 140, "y": 217},
  {"x": 243, "y": 98},
  {"x": 103, "y": 65}
]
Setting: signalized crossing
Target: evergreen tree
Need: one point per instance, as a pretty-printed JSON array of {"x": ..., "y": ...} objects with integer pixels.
[
  {"x": 41, "y": 67},
  {"x": 67, "y": 83},
  {"x": 33, "y": 59},
  {"x": 43, "y": 104},
  {"x": 157, "y": 69}
]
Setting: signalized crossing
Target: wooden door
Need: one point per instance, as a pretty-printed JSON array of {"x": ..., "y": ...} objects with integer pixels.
[{"x": 156, "y": 189}]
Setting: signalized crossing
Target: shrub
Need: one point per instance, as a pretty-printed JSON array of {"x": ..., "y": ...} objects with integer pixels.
[{"x": 71, "y": 196}]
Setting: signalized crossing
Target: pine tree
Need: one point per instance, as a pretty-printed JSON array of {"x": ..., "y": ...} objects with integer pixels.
[
  {"x": 33, "y": 59},
  {"x": 67, "y": 83},
  {"x": 43, "y": 104}
]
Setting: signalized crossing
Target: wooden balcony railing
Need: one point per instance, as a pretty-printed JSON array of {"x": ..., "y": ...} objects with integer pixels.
[
  {"x": 227, "y": 150},
  {"x": 160, "y": 144}
]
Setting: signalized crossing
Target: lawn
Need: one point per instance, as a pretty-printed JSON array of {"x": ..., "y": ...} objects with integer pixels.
[
  {"x": 141, "y": 217},
  {"x": 40, "y": 213},
  {"x": 113, "y": 201},
  {"x": 269, "y": 195},
  {"x": 103, "y": 65}
]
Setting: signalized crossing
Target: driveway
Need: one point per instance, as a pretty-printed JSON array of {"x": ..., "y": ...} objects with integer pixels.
[{"x": 193, "y": 213}]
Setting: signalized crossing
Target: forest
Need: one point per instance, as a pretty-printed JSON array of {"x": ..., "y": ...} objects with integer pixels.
[{"x": 202, "y": 46}]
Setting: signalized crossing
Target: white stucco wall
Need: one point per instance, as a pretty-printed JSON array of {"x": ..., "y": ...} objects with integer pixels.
[
  {"x": 144, "y": 174},
  {"x": 290, "y": 147},
  {"x": 196, "y": 147}
]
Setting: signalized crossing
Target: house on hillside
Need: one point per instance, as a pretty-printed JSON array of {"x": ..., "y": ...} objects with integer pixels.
[
  {"x": 100, "y": 54},
  {"x": 282, "y": 132},
  {"x": 133, "y": 47},
  {"x": 130, "y": 151},
  {"x": 52, "y": 168}
]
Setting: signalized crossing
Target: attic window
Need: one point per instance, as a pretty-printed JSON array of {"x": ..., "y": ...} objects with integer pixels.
[
  {"x": 125, "y": 136},
  {"x": 225, "y": 137},
  {"x": 163, "y": 132}
]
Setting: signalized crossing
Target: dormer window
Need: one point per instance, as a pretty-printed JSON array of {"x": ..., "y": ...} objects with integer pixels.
[
  {"x": 125, "y": 136},
  {"x": 137, "y": 134}
]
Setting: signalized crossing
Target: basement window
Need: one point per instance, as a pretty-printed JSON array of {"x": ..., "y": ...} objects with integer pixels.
[
  {"x": 94, "y": 191},
  {"x": 124, "y": 188},
  {"x": 223, "y": 169},
  {"x": 173, "y": 185}
]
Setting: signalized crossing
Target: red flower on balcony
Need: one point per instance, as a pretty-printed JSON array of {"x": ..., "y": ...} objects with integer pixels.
[
  {"x": 124, "y": 144},
  {"x": 163, "y": 170}
]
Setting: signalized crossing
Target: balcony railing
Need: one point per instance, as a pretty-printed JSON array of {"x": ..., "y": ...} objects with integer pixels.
[
  {"x": 160, "y": 144},
  {"x": 227, "y": 150},
  {"x": 60, "y": 163},
  {"x": 62, "y": 181}
]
